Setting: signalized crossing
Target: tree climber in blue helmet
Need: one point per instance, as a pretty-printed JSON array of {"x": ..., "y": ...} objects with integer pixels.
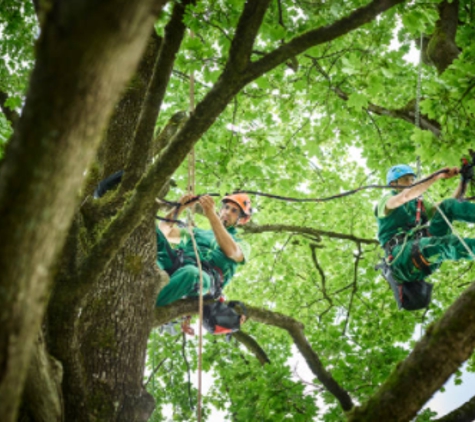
[
  {"x": 220, "y": 249},
  {"x": 414, "y": 235}
]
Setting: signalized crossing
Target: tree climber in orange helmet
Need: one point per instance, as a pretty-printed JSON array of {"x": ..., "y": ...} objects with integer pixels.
[{"x": 220, "y": 249}]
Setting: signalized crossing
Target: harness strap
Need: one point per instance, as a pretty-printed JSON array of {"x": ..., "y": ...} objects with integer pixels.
[
  {"x": 399, "y": 238},
  {"x": 418, "y": 259},
  {"x": 419, "y": 209}
]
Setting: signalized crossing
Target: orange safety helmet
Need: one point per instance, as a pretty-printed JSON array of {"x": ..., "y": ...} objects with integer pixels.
[{"x": 243, "y": 201}]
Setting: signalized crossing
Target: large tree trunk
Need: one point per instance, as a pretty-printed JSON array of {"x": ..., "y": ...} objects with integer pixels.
[
  {"x": 95, "y": 47},
  {"x": 101, "y": 335}
]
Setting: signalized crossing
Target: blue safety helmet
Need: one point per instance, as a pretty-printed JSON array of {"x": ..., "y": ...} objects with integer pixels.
[{"x": 395, "y": 172}]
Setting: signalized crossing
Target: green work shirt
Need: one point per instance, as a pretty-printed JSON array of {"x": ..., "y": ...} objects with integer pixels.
[
  {"x": 400, "y": 219},
  {"x": 210, "y": 251}
]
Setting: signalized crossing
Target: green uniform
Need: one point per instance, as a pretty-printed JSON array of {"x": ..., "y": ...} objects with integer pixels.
[
  {"x": 441, "y": 246},
  {"x": 184, "y": 282}
]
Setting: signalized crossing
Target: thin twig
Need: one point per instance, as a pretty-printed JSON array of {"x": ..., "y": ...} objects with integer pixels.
[{"x": 358, "y": 256}]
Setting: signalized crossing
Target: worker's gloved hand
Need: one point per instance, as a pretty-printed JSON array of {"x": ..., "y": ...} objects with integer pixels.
[
  {"x": 466, "y": 171},
  {"x": 448, "y": 172}
]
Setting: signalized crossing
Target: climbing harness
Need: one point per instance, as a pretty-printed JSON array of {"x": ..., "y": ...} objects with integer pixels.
[{"x": 412, "y": 295}]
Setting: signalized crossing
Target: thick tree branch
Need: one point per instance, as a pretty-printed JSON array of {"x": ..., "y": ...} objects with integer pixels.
[
  {"x": 282, "y": 228},
  {"x": 465, "y": 413},
  {"x": 442, "y": 49},
  {"x": 163, "y": 138},
  {"x": 293, "y": 327},
  {"x": 40, "y": 12},
  {"x": 318, "y": 36},
  {"x": 409, "y": 115},
  {"x": 114, "y": 149},
  {"x": 119, "y": 229},
  {"x": 406, "y": 113},
  {"x": 11, "y": 115},
  {"x": 446, "y": 345},
  {"x": 252, "y": 345},
  {"x": 246, "y": 31},
  {"x": 141, "y": 151}
]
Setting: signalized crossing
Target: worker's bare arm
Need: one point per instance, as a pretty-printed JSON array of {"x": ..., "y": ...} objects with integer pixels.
[{"x": 409, "y": 194}]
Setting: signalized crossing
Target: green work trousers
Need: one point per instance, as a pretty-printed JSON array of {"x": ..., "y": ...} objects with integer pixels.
[
  {"x": 184, "y": 282},
  {"x": 441, "y": 246}
]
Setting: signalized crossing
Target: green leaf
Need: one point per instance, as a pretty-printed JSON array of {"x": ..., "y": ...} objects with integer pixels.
[{"x": 357, "y": 100}]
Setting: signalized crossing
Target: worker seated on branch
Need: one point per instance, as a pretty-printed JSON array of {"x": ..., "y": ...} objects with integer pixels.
[
  {"x": 220, "y": 250},
  {"x": 414, "y": 234}
]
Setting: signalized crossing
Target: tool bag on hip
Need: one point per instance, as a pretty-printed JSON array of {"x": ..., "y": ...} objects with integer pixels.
[
  {"x": 410, "y": 295},
  {"x": 222, "y": 318}
]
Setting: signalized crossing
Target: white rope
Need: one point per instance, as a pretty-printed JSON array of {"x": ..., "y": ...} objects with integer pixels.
[
  {"x": 200, "y": 328},
  {"x": 191, "y": 190},
  {"x": 417, "y": 113},
  {"x": 419, "y": 86}
]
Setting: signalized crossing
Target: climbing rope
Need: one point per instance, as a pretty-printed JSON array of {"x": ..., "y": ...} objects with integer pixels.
[
  {"x": 418, "y": 126},
  {"x": 287, "y": 198},
  {"x": 191, "y": 191},
  {"x": 418, "y": 89},
  {"x": 200, "y": 328}
]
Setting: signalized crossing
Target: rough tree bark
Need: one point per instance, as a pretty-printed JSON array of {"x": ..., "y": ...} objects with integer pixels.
[
  {"x": 445, "y": 346},
  {"x": 43, "y": 399},
  {"x": 465, "y": 413},
  {"x": 441, "y": 48}
]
